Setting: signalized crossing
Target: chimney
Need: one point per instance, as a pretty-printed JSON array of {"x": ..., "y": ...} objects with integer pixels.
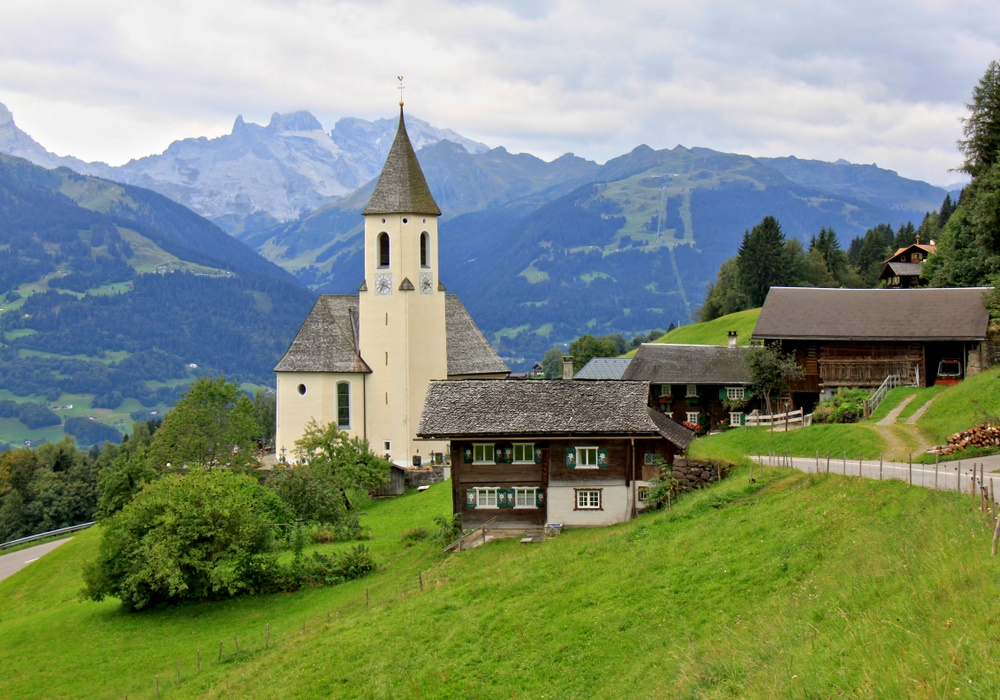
[
  {"x": 732, "y": 339},
  {"x": 567, "y": 367}
]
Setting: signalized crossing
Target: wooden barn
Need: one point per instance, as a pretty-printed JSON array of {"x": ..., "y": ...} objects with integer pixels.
[
  {"x": 536, "y": 452},
  {"x": 858, "y": 337}
]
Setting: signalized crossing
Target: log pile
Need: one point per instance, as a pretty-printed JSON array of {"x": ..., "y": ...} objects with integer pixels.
[{"x": 985, "y": 435}]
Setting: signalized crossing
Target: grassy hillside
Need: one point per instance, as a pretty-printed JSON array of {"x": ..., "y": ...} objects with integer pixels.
[
  {"x": 799, "y": 585},
  {"x": 950, "y": 410},
  {"x": 713, "y": 332}
]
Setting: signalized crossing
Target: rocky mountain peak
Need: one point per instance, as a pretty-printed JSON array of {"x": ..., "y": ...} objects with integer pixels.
[
  {"x": 5, "y": 116},
  {"x": 295, "y": 121}
]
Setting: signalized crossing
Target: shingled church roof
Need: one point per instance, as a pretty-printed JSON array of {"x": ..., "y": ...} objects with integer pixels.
[
  {"x": 486, "y": 408},
  {"x": 402, "y": 188},
  {"x": 328, "y": 340}
]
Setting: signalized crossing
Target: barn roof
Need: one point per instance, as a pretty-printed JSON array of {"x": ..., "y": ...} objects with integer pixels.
[
  {"x": 603, "y": 368},
  {"x": 662, "y": 363},
  {"x": 328, "y": 340},
  {"x": 900, "y": 269},
  {"x": 544, "y": 408},
  {"x": 914, "y": 315}
]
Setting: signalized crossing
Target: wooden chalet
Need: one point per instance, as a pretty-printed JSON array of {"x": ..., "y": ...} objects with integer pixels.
[
  {"x": 699, "y": 384},
  {"x": 858, "y": 337},
  {"x": 903, "y": 269},
  {"x": 529, "y": 453}
]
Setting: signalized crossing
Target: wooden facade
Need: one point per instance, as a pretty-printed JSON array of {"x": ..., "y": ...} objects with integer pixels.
[
  {"x": 556, "y": 478},
  {"x": 706, "y": 401}
]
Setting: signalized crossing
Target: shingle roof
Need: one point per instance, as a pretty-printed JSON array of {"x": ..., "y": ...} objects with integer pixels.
[
  {"x": 401, "y": 187},
  {"x": 900, "y": 269},
  {"x": 603, "y": 368},
  {"x": 468, "y": 350},
  {"x": 328, "y": 340},
  {"x": 662, "y": 363},
  {"x": 540, "y": 408},
  {"x": 873, "y": 314}
]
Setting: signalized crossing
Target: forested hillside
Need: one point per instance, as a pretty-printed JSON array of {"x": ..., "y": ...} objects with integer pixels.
[{"x": 114, "y": 298}]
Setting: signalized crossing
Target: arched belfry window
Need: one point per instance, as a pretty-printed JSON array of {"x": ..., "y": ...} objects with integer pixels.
[
  {"x": 424, "y": 249},
  {"x": 383, "y": 250}
]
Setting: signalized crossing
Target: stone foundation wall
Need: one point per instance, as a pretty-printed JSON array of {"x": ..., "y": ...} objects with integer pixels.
[
  {"x": 424, "y": 477},
  {"x": 693, "y": 475}
]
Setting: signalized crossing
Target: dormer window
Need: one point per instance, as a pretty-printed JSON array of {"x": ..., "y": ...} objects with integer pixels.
[{"x": 383, "y": 249}]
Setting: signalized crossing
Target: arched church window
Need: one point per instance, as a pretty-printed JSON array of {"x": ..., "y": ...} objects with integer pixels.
[
  {"x": 383, "y": 250},
  {"x": 424, "y": 246},
  {"x": 343, "y": 405}
]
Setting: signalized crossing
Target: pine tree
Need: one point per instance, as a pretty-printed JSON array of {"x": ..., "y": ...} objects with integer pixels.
[{"x": 981, "y": 145}]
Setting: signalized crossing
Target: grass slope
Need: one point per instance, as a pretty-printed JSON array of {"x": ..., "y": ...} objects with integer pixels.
[
  {"x": 713, "y": 332},
  {"x": 954, "y": 408},
  {"x": 798, "y": 585}
]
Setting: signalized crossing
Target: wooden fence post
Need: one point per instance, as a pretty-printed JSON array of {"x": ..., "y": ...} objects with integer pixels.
[
  {"x": 910, "y": 471},
  {"x": 267, "y": 635},
  {"x": 880, "y": 466}
]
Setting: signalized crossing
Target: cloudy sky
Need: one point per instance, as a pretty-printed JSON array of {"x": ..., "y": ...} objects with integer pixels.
[{"x": 883, "y": 81}]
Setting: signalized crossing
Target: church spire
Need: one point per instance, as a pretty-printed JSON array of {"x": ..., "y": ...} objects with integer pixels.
[{"x": 401, "y": 188}]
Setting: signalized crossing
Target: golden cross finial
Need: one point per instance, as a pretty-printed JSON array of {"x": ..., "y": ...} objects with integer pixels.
[{"x": 401, "y": 88}]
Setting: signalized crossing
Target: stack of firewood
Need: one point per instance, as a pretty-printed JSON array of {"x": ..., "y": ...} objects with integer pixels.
[{"x": 985, "y": 435}]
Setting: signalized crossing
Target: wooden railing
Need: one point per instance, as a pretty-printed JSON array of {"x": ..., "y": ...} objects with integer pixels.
[
  {"x": 469, "y": 537},
  {"x": 755, "y": 419}
]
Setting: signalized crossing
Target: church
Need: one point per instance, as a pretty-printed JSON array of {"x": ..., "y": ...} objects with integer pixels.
[{"x": 365, "y": 361}]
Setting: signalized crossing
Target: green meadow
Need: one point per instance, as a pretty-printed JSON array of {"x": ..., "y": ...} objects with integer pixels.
[{"x": 797, "y": 585}]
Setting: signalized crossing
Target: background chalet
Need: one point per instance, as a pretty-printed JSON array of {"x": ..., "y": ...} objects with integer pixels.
[
  {"x": 533, "y": 452},
  {"x": 858, "y": 337}
]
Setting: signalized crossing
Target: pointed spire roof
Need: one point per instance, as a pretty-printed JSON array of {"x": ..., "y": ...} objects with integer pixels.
[{"x": 401, "y": 188}]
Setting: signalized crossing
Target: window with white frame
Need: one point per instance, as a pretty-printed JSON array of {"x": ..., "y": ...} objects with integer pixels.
[
  {"x": 692, "y": 390},
  {"x": 586, "y": 458},
  {"x": 642, "y": 493},
  {"x": 735, "y": 393},
  {"x": 735, "y": 419},
  {"x": 343, "y": 405},
  {"x": 588, "y": 499},
  {"x": 524, "y": 497},
  {"x": 486, "y": 497},
  {"x": 524, "y": 452},
  {"x": 692, "y": 416},
  {"x": 664, "y": 390},
  {"x": 483, "y": 452}
]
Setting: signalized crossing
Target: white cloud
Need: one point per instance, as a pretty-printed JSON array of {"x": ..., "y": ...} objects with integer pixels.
[{"x": 113, "y": 79}]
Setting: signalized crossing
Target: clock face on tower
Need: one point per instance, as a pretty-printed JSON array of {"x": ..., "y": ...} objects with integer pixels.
[
  {"x": 383, "y": 284},
  {"x": 426, "y": 283}
]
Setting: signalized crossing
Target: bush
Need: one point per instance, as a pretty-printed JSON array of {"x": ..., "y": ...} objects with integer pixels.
[
  {"x": 203, "y": 535},
  {"x": 448, "y": 529},
  {"x": 414, "y": 535},
  {"x": 846, "y": 406}
]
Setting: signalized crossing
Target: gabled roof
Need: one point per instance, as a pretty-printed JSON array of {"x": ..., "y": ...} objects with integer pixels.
[
  {"x": 544, "y": 408},
  {"x": 926, "y": 247},
  {"x": 900, "y": 269},
  {"x": 468, "y": 350},
  {"x": 328, "y": 340},
  {"x": 603, "y": 368},
  {"x": 662, "y": 363},
  {"x": 401, "y": 187},
  {"x": 873, "y": 314}
]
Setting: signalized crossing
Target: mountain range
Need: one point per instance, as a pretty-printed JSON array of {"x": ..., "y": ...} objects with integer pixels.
[{"x": 540, "y": 252}]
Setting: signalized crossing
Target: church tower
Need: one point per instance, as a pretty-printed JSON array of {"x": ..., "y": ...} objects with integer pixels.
[{"x": 402, "y": 303}]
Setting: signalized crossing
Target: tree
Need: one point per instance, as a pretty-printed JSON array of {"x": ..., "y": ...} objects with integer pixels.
[
  {"x": 552, "y": 363},
  {"x": 196, "y": 536},
  {"x": 587, "y": 347},
  {"x": 981, "y": 145},
  {"x": 265, "y": 411},
  {"x": 212, "y": 425},
  {"x": 771, "y": 371},
  {"x": 762, "y": 262}
]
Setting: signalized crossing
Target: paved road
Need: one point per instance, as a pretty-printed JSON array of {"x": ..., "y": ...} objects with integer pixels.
[
  {"x": 954, "y": 475},
  {"x": 12, "y": 563}
]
